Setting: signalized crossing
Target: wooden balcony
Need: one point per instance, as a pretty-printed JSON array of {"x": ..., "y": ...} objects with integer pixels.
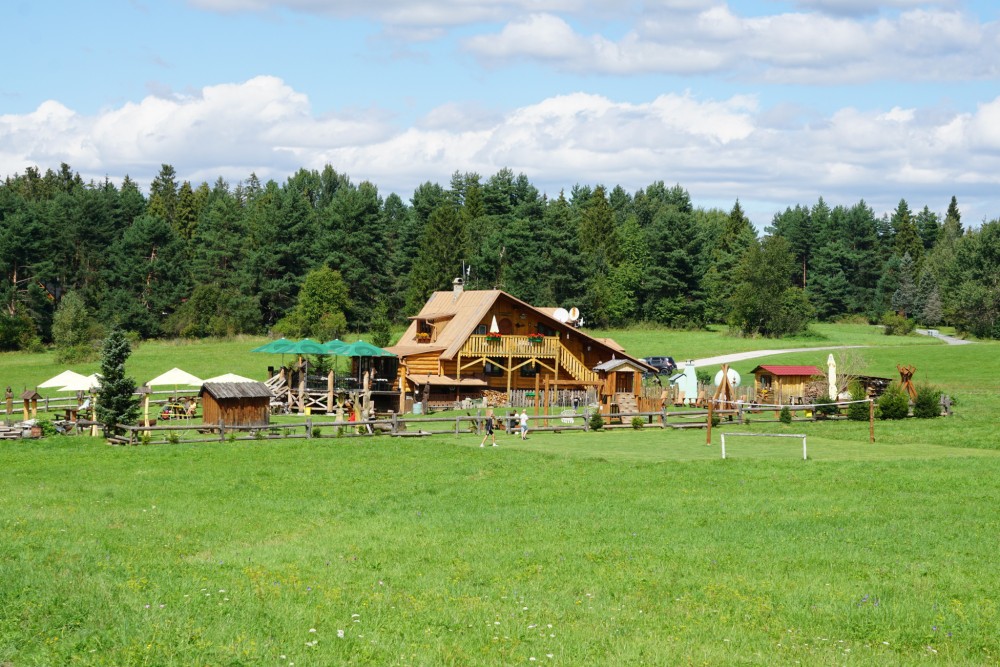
[
  {"x": 511, "y": 346},
  {"x": 523, "y": 347}
]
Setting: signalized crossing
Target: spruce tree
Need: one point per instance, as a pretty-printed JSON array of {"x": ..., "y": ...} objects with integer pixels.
[{"x": 115, "y": 401}]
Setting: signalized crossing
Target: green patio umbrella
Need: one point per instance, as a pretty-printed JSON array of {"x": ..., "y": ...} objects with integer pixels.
[
  {"x": 334, "y": 346},
  {"x": 362, "y": 349},
  {"x": 273, "y": 347},
  {"x": 305, "y": 346}
]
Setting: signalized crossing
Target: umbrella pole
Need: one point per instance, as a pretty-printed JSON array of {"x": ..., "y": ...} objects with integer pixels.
[{"x": 93, "y": 416}]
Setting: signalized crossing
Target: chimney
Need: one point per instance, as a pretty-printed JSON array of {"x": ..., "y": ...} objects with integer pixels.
[{"x": 457, "y": 286}]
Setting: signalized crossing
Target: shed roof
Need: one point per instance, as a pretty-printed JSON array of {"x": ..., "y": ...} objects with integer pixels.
[
  {"x": 788, "y": 370},
  {"x": 223, "y": 390},
  {"x": 617, "y": 364}
]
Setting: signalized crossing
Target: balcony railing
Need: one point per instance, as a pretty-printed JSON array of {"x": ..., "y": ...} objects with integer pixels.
[
  {"x": 546, "y": 347},
  {"x": 511, "y": 346}
]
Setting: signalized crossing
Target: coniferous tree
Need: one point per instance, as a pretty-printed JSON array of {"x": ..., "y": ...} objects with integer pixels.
[
  {"x": 904, "y": 299},
  {"x": 906, "y": 237},
  {"x": 115, "y": 401}
]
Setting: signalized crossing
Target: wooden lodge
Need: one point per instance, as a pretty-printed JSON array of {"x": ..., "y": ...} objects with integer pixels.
[
  {"x": 783, "y": 384},
  {"x": 449, "y": 351},
  {"x": 236, "y": 403}
]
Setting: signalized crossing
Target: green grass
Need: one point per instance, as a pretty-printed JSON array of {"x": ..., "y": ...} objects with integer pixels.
[
  {"x": 681, "y": 345},
  {"x": 438, "y": 552},
  {"x": 616, "y": 547}
]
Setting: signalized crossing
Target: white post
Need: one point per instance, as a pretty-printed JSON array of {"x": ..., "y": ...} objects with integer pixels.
[
  {"x": 804, "y": 454},
  {"x": 723, "y": 438}
]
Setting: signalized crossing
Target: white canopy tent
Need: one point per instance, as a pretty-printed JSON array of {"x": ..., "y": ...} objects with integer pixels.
[
  {"x": 84, "y": 383},
  {"x": 60, "y": 381},
  {"x": 175, "y": 377},
  {"x": 229, "y": 377}
]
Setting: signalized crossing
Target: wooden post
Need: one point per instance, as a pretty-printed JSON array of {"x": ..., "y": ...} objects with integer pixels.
[
  {"x": 586, "y": 419},
  {"x": 395, "y": 423},
  {"x": 222, "y": 430},
  {"x": 708, "y": 423},
  {"x": 510, "y": 362},
  {"x": 871, "y": 420},
  {"x": 26, "y": 409},
  {"x": 538, "y": 398},
  {"x": 458, "y": 422},
  {"x": 309, "y": 428},
  {"x": 329, "y": 392},
  {"x": 303, "y": 372}
]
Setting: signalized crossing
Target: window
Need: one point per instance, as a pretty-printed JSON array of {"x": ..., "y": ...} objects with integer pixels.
[
  {"x": 481, "y": 330},
  {"x": 545, "y": 331},
  {"x": 491, "y": 368},
  {"x": 529, "y": 370}
]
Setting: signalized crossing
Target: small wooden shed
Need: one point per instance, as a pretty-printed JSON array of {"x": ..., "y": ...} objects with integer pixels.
[
  {"x": 236, "y": 403},
  {"x": 621, "y": 384},
  {"x": 780, "y": 384}
]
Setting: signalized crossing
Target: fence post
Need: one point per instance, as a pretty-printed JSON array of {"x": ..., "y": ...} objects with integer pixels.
[
  {"x": 222, "y": 430},
  {"x": 309, "y": 428},
  {"x": 395, "y": 423},
  {"x": 586, "y": 419},
  {"x": 458, "y": 420}
]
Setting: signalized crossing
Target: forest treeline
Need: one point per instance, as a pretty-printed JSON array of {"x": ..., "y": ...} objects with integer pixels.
[{"x": 199, "y": 259}]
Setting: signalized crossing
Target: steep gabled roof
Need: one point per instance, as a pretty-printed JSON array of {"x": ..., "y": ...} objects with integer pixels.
[{"x": 464, "y": 311}]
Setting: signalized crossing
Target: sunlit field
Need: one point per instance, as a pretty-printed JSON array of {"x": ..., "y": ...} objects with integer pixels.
[{"x": 611, "y": 547}]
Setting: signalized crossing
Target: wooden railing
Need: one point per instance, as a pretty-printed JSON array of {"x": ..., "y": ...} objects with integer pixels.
[
  {"x": 547, "y": 347},
  {"x": 576, "y": 368},
  {"x": 513, "y": 346}
]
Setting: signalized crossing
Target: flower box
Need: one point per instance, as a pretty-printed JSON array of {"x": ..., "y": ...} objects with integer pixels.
[
  {"x": 493, "y": 338},
  {"x": 537, "y": 338}
]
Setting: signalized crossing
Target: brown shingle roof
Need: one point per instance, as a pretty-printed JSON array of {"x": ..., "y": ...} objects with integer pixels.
[
  {"x": 219, "y": 390},
  {"x": 467, "y": 310}
]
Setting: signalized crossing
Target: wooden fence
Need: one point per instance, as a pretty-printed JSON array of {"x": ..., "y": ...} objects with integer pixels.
[{"x": 407, "y": 426}]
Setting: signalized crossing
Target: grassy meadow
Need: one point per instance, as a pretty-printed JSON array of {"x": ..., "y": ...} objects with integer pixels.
[{"x": 606, "y": 548}]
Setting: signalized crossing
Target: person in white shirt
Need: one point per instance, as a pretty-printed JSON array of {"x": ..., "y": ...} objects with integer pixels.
[{"x": 524, "y": 424}]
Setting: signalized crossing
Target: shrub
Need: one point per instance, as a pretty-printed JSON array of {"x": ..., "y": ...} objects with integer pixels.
[
  {"x": 48, "y": 428},
  {"x": 596, "y": 422},
  {"x": 897, "y": 325},
  {"x": 857, "y": 411},
  {"x": 894, "y": 403},
  {"x": 716, "y": 419},
  {"x": 928, "y": 403},
  {"x": 173, "y": 438},
  {"x": 317, "y": 432},
  {"x": 826, "y": 409},
  {"x": 637, "y": 423},
  {"x": 785, "y": 416}
]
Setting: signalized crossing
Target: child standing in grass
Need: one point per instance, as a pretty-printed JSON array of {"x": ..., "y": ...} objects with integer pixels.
[
  {"x": 524, "y": 423},
  {"x": 489, "y": 430}
]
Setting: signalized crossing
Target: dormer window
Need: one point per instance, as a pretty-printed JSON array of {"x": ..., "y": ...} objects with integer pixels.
[{"x": 425, "y": 331}]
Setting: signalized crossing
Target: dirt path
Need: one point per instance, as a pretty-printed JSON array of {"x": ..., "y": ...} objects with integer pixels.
[
  {"x": 743, "y": 356},
  {"x": 951, "y": 340}
]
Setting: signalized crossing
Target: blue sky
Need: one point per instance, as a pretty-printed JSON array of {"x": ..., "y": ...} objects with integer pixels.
[{"x": 775, "y": 103}]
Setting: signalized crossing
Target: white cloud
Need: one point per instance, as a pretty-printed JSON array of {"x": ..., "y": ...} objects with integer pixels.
[
  {"x": 413, "y": 12},
  {"x": 800, "y": 47},
  {"x": 717, "y": 149}
]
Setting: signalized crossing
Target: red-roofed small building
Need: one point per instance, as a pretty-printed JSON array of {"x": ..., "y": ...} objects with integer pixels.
[{"x": 783, "y": 384}]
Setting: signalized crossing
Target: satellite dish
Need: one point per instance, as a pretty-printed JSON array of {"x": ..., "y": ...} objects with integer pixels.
[
  {"x": 734, "y": 378},
  {"x": 574, "y": 313},
  {"x": 561, "y": 314}
]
